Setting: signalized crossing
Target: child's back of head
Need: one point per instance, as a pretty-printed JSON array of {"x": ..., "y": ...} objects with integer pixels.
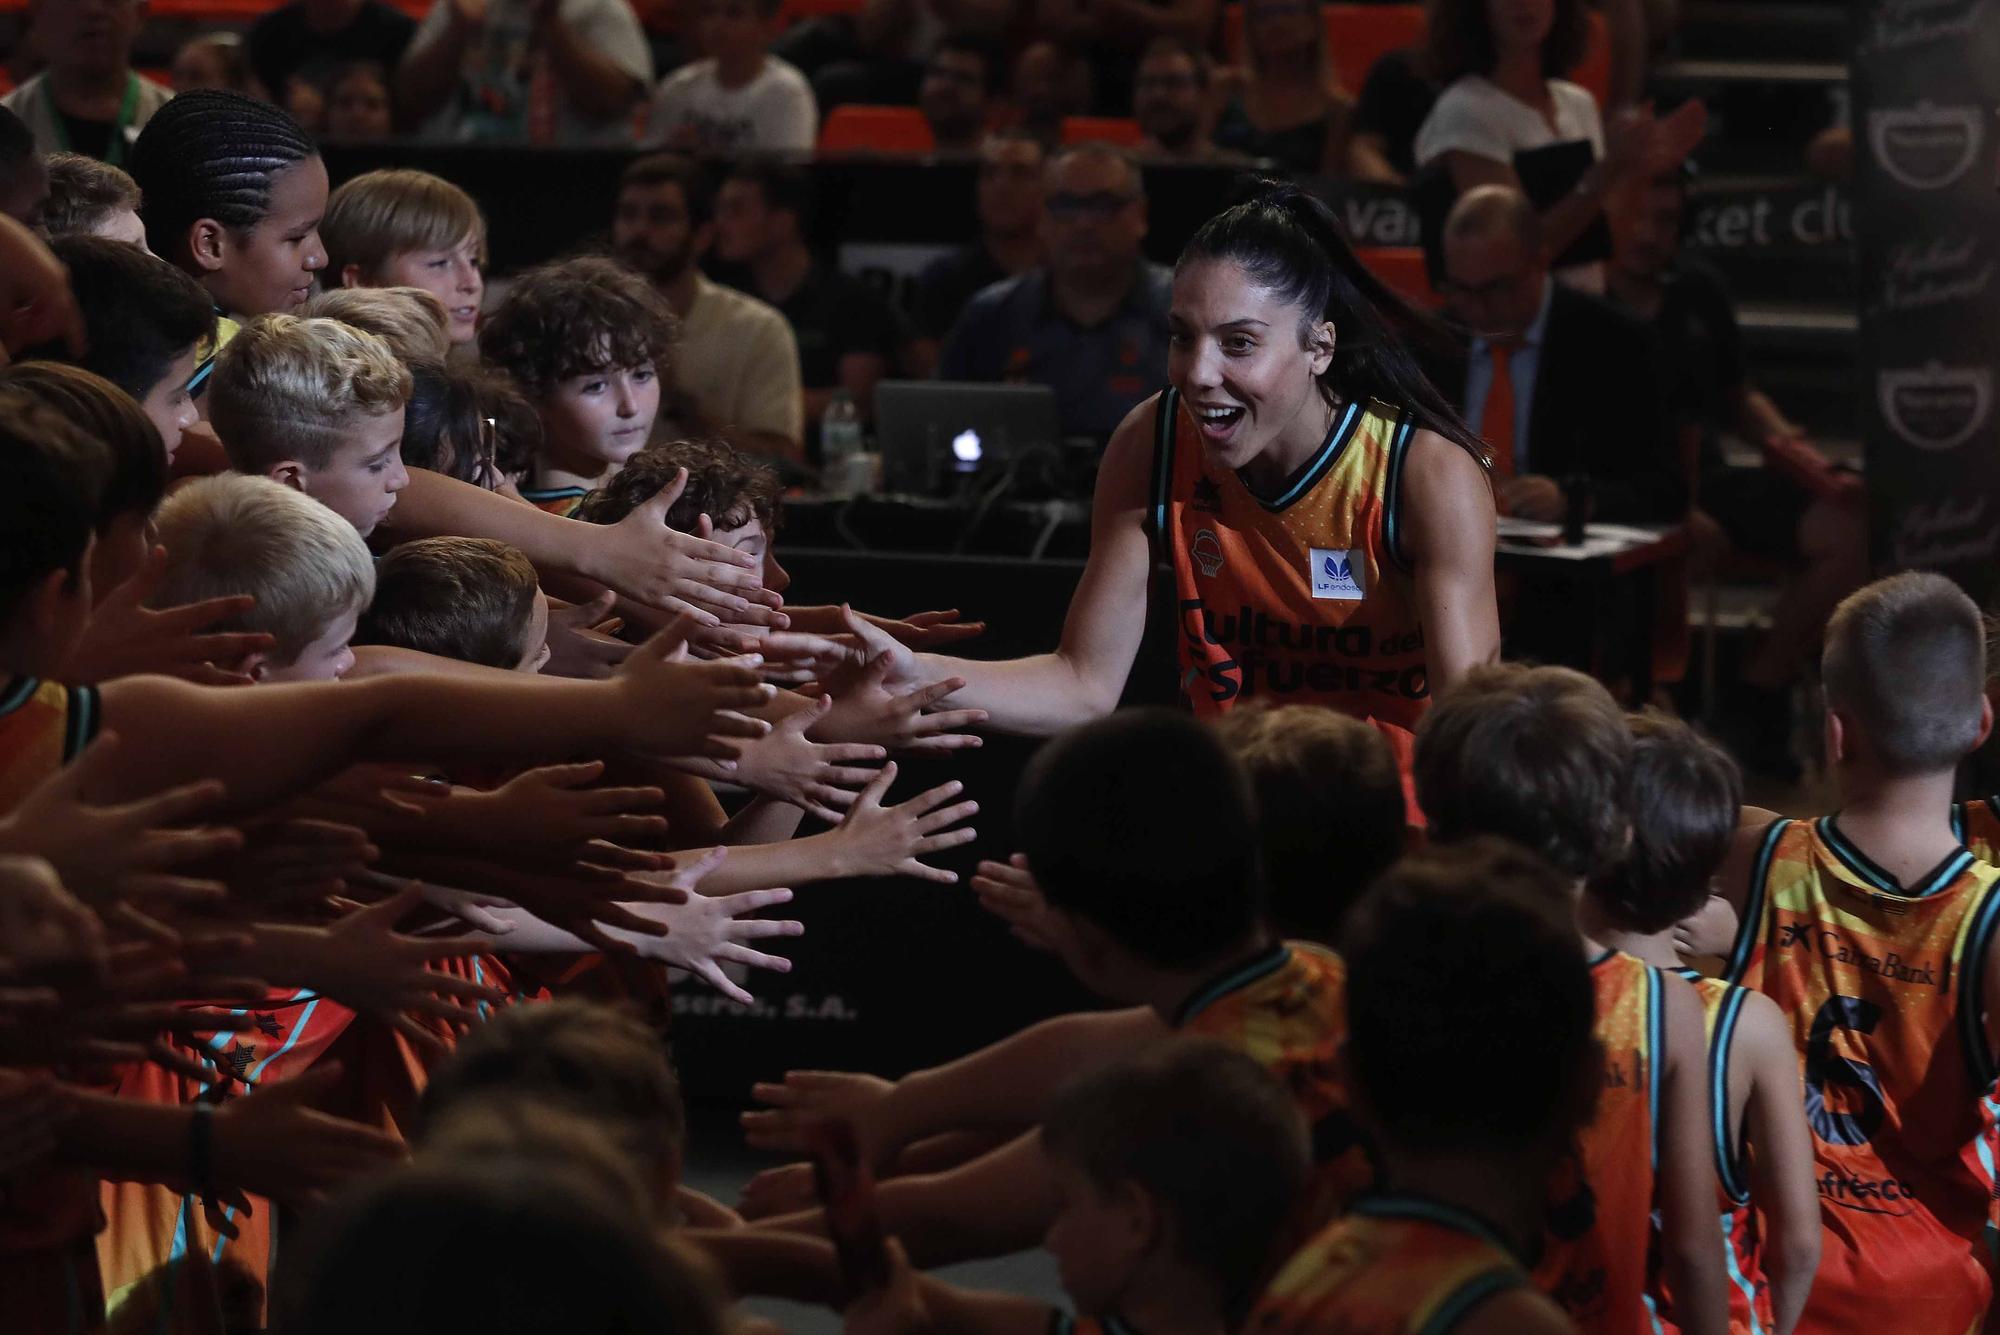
[
  {"x": 1905, "y": 673},
  {"x": 91, "y": 198},
  {"x": 1140, "y": 823},
  {"x": 470, "y": 599},
  {"x": 410, "y": 320},
  {"x": 1465, "y": 971},
  {"x": 1538, "y": 755},
  {"x": 1213, "y": 1140},
  {"x": 520, "y": 1128},
  {"x": 306, "y": 566},
  {"x": 1330, "y": 810},
  {"x": 591, "y": 1061},
  {"x": 1684, "y": 800},
  {"x": 499, "y": 1246}
]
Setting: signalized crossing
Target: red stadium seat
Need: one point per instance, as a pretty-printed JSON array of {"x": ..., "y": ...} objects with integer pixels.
[
  {"x": 855, "y": 127},
  {"x": 1359, "y": 35},
  {"x": 1401, "y": 269},
  {"x": 1101, "y": 129}
]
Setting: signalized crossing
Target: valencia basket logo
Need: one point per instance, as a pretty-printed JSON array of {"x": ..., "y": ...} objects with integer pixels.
[
  {"x": 1926, "y": 147},
  {"x": 1935, "y": 407}
]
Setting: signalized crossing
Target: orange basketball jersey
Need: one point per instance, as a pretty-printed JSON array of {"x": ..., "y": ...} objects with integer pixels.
[
  {"x": 1594, "y": 1255},
  {"x": 1300, "y": 598},
  {"x": 1881, "y": 984},
  {"x": 1287, "y": 1010},
  {"x": 43, "y": 725},
  {"x": 1393, "y": 1265},
  {"x": 1742, "y": 1232}
]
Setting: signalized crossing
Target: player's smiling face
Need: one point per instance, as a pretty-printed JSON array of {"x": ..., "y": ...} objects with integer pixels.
[{"x": 1246, "y": 362}]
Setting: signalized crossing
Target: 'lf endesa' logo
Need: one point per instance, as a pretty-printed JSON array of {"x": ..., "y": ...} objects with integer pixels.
[
  {"x": 1926, "y": 147},
  {"x": 1935, "y": 407}
]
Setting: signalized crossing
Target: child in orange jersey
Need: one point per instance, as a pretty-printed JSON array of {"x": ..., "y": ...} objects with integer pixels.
[
  {"x": 1542, "y": 756},
  {"x": 1872, "y": 930},
  {"x": 1139, "y": 829},
  {"x": 1175, "y": 1171},
  {"x": 1464, "y": 981},
  {"x": 1685, "y": 798}
]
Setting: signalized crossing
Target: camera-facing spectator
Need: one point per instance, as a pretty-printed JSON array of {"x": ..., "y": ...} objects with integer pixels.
[
  {"x": 360, "y": 107},
  {"x": 1052, "y": 82},
  {"x": 1170, "y": 101},
  {"x": 1284, "y": 103},
  {"x": 89, "y": 99},
  {"x": 1009, "y": 202},
  {"x": 957, "y": 93},
  {"x": 535, "y": 71},
  {"x": 741, "y": 98},
  {"x": 1092, "y": 320},
  {"x": 325, "y": 32},
  {"x": 214, "y": 60},
  {"x": 1110, "y": 35}
]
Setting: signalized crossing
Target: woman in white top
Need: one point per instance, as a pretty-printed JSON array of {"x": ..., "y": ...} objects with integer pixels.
[{"x": 1500, "y": 60}]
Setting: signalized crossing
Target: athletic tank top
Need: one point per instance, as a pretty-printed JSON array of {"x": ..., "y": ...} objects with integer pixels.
[
  {"x": 1301, "y": 598},
  {"x": 1882, "y": 987},
  {"x": 1742, "y": 1235},
  {"x": 43, "y": 726},
  {"x": 1393, "y": 1265},
  {"x": 1286, "y": 1009},
  {"x": 1599, "y": 1234}
]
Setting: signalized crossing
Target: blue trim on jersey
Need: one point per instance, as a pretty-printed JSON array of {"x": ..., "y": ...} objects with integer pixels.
[
  {"x": 1467, "y": 1296},
  {"x": 1652, "y": 1313},
  {"x": 82, "y": 723},
  {"x": 1329, "y": 454},
  {"x": 1238, "y": 978},
  {"x": 1430, "y": 1212},
  {"x": 1877, "y": 876},
  {"x": 1972, "y": 988},
  {"x": 538, "y": 495},
  {"x": 1656, "y": 1044},
  {"x": 1728, "y": 1165},
  {"x": 19, "y": 691},
  {"x": 1958, "y": 822},
  {"x": 1753, "y": 903},
  {"x": 1165, "y": 429},
  {"x": 1738, "y": 1278},
  {"x": 479, "y": 977},
  {"x": 1599, "y": 958},
  {"x": 1392, "y": 492}
]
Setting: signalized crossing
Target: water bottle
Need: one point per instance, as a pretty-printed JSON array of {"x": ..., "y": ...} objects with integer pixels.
[{"x": 839, "y": 442}]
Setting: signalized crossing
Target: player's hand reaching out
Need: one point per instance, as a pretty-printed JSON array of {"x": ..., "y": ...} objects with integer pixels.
[
  {"x": 125, "y": 636},
  {"x": 878, "y": 840}
]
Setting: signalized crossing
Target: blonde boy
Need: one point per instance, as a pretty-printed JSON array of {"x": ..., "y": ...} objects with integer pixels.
[
  {"x": 316, "y": 405},
  {"x": 91, "y": 198},
  {"x": 402, "y": 227},
  {"x": 410, "y": 320},
  {"x": 308, "y": 569}
]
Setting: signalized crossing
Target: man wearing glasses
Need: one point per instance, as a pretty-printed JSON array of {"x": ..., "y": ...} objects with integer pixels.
[{"x": 1091, "y": 320}]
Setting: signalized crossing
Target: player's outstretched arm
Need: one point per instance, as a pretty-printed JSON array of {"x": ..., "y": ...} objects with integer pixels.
[
  {"x": 1449, "y": 538},
  {"x": 275, "y": 741},
  {"x": 1085, "y": 676},
  {"x": 1689, "y": 1244},
  {"x": 1782, "y": 1184}
]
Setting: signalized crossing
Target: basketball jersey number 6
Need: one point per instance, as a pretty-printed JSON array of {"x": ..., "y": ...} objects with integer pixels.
[{"x": 1824, "y": 1068}]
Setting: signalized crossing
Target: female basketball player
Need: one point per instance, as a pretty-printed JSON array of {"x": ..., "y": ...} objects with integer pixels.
[{"x": 1326, "y": 514}]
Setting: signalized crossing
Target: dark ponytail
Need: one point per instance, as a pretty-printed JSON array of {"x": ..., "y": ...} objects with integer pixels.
[
  {"x": 211, "y": 154},
  {"x": 1288, "y": 240}
]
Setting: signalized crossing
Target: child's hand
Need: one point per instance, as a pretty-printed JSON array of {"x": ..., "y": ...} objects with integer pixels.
[
  {"x": 272, "y": 1142},
  {"x": 364, "y": 963},
  {"x": 32, "y": 1106},
  {"x": 583, "y": 899},
  {"x": 125, "y": 636},
  {"x": 1710, "y": 931},
  {"x": 787, "y": 1189},
  {"x": 107, "y": 854},
  {"x": 648, "y": 562},
  {"x": 709, "y": 931},
  {"x": 806, "y": 1097},
  {"x": 876, "y": 840},
  {"x": 677, "y": 708},
  {"x": 866, "y": 708},
  {"x": 553, "y": 810},
  {"x": 928, "y": 630},
  {"x": 818, "y": 777},
  {"x": 43, "y": 926},
  {"x": 583, "y": 640},
  {"x": 898, "y": 1309},
  {"x": 291, "y": 863},
  {"x": 1008, "y": 891}
]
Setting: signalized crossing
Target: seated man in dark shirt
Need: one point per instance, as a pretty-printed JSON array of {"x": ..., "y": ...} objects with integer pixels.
[
  {"x": 1009, "y": 203},
  {"x": 1792, "y": 507},
  {"x": 849, "y": 335},
  {"x": 326, "y": 34},
  {"x": 957, "y": 95},
  {"x": 1560, "y": 384},
  {"x": 1092, "y": 320}
]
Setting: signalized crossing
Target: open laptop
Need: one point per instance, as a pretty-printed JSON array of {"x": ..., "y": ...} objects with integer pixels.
[{"x": 934, "y": 432}]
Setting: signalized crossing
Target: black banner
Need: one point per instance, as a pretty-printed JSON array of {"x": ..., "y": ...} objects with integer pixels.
[{"x": 1926, "y": 80}]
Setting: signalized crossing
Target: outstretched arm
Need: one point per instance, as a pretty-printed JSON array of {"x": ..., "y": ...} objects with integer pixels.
[
  {"x": 1449, "y": 539},
  {"x": 1086, "y": 674}
]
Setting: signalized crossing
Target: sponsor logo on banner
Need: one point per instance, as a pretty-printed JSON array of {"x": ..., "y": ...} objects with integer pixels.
[
  {"x": 1935, "y": 407},
  {"x": 1902, "y": 24},
  {"x": 1919, "y": 275},
  {"x": 1949, "y": 531},
  {"x": 1926, "y": 147}
]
